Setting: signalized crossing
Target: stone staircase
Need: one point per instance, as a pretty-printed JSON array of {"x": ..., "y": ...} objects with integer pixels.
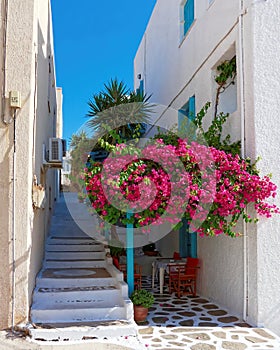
[{"x": 79, "y": 293}]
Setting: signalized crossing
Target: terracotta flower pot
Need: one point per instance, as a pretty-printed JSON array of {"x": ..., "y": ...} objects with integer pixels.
[{"x": 140, "y": 313}]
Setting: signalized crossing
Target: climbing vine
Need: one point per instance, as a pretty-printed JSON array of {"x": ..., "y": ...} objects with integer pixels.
[
  {"x": 213, "y": 135},
  {"x": 225, "y": 78}
]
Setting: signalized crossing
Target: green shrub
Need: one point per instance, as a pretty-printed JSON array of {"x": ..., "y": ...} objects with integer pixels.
[{"x": 142, "y": 297}]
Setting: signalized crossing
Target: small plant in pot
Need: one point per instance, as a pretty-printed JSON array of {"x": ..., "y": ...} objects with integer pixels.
[
  {"x": 116, "y": 250},
  {"x": 142, "y": 300}
]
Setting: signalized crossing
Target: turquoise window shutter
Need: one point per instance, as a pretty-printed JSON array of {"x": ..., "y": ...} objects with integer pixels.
[
  {"x": 185, "y": 115},
  {"x": 141, "y": 87},
  {"x": 187, "y": 239},
  {"x": 188, "y": 15},
  {"x": 191, "y": 112},
  {"x": 192, "y": 251}
]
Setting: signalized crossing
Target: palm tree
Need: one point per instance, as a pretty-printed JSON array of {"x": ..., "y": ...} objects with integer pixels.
[{"x": 117, "y": 108}]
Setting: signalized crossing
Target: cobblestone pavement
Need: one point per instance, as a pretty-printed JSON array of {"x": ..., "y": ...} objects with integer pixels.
[{"x": 197, "y": 324}]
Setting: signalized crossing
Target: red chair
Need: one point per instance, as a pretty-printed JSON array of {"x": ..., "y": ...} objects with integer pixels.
[
  {"x": 137, "y": 274},
  {"x": 116, "y": 262},
  {"x": 183, "y": 281},
  {"x": 176, "y": 256},
  {"x": 173, "y": 272}
]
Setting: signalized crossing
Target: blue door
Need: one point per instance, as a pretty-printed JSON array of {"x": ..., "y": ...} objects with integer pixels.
[{"x": 187, "y": 239}]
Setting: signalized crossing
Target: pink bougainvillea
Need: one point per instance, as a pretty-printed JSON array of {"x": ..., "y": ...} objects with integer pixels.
[{"x": 164, "y": 183}]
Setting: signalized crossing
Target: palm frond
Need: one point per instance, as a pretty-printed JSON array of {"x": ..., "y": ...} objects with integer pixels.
[{"x": 117, "y": 108}]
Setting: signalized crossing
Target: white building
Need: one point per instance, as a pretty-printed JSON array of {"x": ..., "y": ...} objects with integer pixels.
[
  {"x": 28, "y": 188},
  {"x": 176, "y": 62},
  {"x": 66, "y": 171}
]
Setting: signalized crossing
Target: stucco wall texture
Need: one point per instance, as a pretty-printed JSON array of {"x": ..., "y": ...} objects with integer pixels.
[
  {"x": 27, "y": 62},
  {"x": 240, "y": 274}
]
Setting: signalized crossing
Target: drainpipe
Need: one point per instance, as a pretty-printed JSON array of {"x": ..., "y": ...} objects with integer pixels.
[
  {"x": 14, "y": 228},
  {"x": 242, "y": 117}
]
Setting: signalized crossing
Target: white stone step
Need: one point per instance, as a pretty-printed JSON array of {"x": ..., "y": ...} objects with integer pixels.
[
  {"x": 73, "y": 277},
  {"x": 83, "y": 331},
  {"x": 74, "y": 247},
  {"x": 81, "y": 302},
  {"x": 78, "y": 284},
  {"x": 119, "y": 287},
  {"x": 75, "y": 255},
  {"x": 83, "y": 314},
  {"x": 77, "y": 294},
  {"x": 74, "y": 263},
  {"x": 64, "y": 283},
  {"x": 66, "y": 241}
]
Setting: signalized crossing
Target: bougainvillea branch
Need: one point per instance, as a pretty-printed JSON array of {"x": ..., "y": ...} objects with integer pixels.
[{"x": 164, "y": 183}]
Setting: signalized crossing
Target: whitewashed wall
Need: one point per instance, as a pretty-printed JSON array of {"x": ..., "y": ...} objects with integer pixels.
[
  {"x": 175, "y": 70},
  {"x": 262, "y": 135},
  {"x": 30, "y": 70}
]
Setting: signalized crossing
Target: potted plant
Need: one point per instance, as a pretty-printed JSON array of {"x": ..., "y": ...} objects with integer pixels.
[
  {"x": 142, "y": 300},
  {"x": 116, "y": 250}
]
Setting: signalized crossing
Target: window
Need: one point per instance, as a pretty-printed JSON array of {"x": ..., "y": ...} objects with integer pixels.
[
  {"x": 228, "y": 93},
  {"x": 190, "y": 108},
  {"x": 140, "y": 89},
  {"x": 188, "y": 13},
  {"x": 186, "y": 114}
]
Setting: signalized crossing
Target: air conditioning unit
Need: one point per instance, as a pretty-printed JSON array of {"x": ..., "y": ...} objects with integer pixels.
[{"x": 55, "y": 150}]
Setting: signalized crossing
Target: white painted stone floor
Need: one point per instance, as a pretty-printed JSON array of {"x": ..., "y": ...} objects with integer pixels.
[
  {"x": 197, "y": 324},
  {"x": 176, "y": 324},
  {"x": 172, "y": 323}
]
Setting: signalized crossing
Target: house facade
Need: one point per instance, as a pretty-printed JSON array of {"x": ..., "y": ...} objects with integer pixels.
[
  {"x": 176, "y": 62},
  {"x": 30, "y": 115}
]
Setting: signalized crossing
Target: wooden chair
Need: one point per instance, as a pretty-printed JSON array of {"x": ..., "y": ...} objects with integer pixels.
[
  {"x": 173, "y": 273},
  {"x": 176, "y": 256},
  {"x": 137, "y": 274},
  {"x": 183, "y": 280}
]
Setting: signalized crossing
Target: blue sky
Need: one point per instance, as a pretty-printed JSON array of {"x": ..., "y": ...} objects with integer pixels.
[{"x": 94, "y": 42}]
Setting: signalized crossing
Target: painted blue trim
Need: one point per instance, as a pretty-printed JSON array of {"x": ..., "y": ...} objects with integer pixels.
[
  {"x": 187, "y": 239},
  {"x": 141, "y": 87},
  {"x": 130, "y": 255},
  {"x": 184, "y": 239},
  {"x": 188, "y": 15},
  {"x": 193, "y": 244},
  {"x": 191, "y": 111},
  {"x": 192, "y": 235}
]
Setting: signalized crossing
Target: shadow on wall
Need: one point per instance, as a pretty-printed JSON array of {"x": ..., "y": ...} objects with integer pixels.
[
  {"x": 44, "y": 127},
  {"x": 5, "y": 223}
]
